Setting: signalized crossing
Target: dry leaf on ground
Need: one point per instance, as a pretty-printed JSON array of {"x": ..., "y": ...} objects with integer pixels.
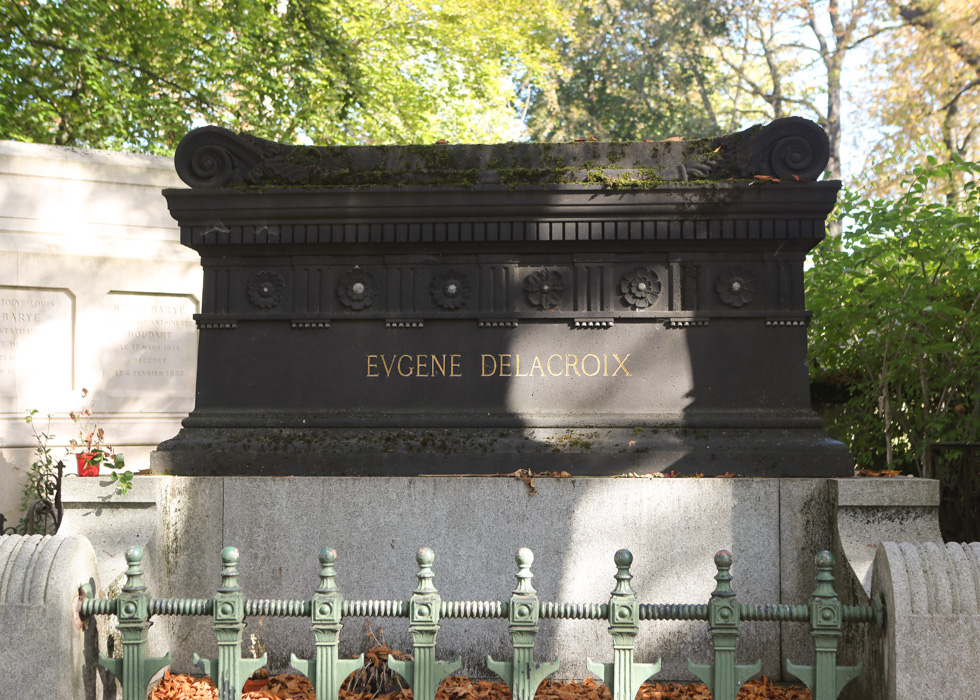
[{"x": 297, "y": 687}]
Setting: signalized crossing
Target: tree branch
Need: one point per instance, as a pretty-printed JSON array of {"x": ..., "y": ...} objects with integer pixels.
[{"x": 915, "y": 14}]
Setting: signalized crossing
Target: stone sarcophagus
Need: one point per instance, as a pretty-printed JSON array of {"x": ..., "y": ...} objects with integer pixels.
[{"x": 586, "y": 307}]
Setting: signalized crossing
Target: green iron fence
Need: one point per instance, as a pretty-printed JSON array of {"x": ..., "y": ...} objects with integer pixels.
[{"x": 425, "y": 609}]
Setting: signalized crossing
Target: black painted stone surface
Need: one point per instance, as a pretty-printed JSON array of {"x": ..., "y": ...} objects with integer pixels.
[{"x": 580, "y": 307}]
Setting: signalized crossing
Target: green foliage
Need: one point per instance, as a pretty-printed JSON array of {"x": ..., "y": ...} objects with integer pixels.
[
  {"x": 122, "y": 479},
  {"x": 897, "y": 319},
  {"x": 633, "y": 70},
  {"x": 42, "y": 468},
  {"x": 138, "y": 75}
]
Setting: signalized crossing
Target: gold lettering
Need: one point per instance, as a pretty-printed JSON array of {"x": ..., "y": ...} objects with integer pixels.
[
  {"x": 517, "y": 372},
  {"x": 553, "y": 374},
  {"x": 598, "y": 365},
  {"x": 571, "y": 365},
  {"x": 484, "y": 368},
  {"x": 410, "y": 369},
  {"x": 536, "y": 364},
  {"x": 499, "y": 365},
  {"x": 388, "y": 367},
  {"x": 622, "y": 364},
  {"x": 441, "y": 365}
]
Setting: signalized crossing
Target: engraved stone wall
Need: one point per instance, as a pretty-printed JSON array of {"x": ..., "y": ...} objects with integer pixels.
[{"x": 88, "y": 256}]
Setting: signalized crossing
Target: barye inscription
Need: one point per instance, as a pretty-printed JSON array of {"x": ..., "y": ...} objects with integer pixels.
[
  {"x": 35, "y": 341},
  {"x": 453, "y": 366}
]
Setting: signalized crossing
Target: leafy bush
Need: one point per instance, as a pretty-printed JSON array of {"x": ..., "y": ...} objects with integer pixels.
[{"x": 897, "y": 319}]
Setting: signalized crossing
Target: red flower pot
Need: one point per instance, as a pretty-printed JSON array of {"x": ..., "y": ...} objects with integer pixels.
[{"x": 85, "y": 466}]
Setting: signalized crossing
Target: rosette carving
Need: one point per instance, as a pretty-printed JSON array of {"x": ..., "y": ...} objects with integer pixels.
[
  {"x": 640, "y": 288},
  {"x": 357, "y": 289},
  {"x": 450, "y": 290},
  {"x": 266, "y": 289},
  {"x": 736, "y": 286},
  {"x": 544, "y": 288}
]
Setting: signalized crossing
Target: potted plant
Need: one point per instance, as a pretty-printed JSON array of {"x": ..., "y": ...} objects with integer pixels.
[{"x": 91, "y": 451}]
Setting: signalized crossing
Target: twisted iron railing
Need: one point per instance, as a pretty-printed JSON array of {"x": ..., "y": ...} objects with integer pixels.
[{"x": 425, "y": 609}]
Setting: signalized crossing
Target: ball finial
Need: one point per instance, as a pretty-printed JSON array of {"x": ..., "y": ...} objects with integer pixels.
[
  {"x": 723, "y": 559},
  {"x": 134, "y": 555},
  {"x": 328, "y": 556},
  {"x": 623, "y": 557},
  {"x": 824, "y": 560},
  {"x": 525, "y": 557},
  {"x": 229, "y": 556},
  {"x": 425, "y": 556}
]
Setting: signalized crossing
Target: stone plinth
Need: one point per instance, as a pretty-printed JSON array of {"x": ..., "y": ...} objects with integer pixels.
[
  {"x": 673, "y": 527},
  {"x": 594, "y": 308}
]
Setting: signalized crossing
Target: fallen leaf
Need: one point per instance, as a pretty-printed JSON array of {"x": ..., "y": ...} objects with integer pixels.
[
  {"x": 297, "y": 687},
  {"x": 882, "y": 473}
]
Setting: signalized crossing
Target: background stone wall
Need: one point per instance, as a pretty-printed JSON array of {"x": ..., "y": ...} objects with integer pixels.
[{"x": 95, "y": 292}]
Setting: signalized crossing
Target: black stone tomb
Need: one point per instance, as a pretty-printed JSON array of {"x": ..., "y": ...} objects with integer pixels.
[{"x": 596, "y": 308}]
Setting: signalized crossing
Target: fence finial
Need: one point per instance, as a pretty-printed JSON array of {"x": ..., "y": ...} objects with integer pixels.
[
  {"x": 723, "y": 562},
  {"x": 328, "y": 574},
  {"x": 229, "y": 571},
  {"x": 134, "y": 570},
  {"x": 825, "y": 577},
  {"x": 623, "y": 559},
  {"x": 424, "y": 558},
  {"x": 524, "y": 559}
]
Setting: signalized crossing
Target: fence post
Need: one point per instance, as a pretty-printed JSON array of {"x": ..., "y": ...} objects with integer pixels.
[
  {"x": 724, "y": 677},
  {"x": 135, "y": 669},
  {"x": 825, "y": 678},
  {"x": 229, "y": 671},
  {"x": 424, "y": 673},
  {"x": 623, "y": 676},
  {"x": 325, "y": 670},
  {"x": 523, "y": 676}
]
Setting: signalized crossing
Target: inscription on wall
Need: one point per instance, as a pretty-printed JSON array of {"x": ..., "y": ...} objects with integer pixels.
[
  {"x": 155, "y": 344},
  {"x": 499, "y": 365},
  {"x": 35, "y": 341}
]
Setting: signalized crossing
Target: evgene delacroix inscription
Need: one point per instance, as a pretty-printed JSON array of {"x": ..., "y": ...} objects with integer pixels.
[{"x": 499, "y": 365}]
